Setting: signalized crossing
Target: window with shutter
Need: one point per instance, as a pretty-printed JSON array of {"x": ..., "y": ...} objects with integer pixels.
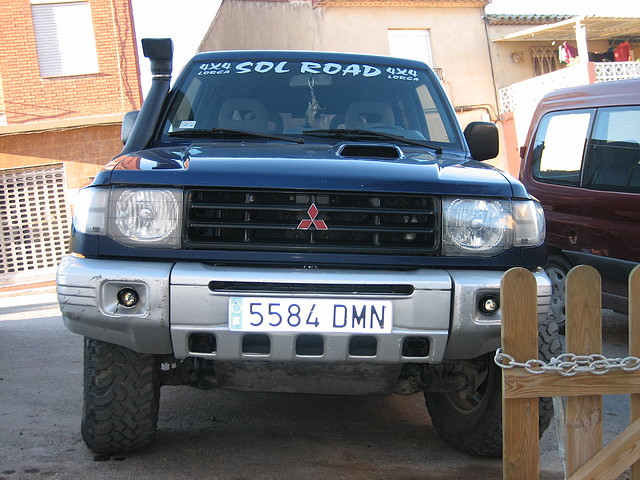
[{"x": 64, "y": 38}]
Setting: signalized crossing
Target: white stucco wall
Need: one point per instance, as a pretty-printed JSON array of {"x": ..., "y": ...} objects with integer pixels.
[{"x": 458, "y": 39}]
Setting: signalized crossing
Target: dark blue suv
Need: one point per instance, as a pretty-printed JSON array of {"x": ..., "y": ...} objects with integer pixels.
[{"x": 297, "y": 222}]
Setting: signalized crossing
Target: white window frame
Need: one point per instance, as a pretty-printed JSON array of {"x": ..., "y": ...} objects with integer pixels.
[
  {"x": 412, "y": 43},
  {"x": 65, "y": 39}
]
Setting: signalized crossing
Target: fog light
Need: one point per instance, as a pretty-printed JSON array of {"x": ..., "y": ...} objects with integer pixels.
[
  {"x": 128, "y": 297},
  {"x": 489, "y": 304}
]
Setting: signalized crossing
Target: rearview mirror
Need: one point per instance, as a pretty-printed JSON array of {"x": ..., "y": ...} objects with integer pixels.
[{"x": 316, "y": 80}]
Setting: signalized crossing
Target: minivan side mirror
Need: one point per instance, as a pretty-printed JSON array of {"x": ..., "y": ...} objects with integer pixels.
[
  {"x": 128, "y": 122},
  {"x": 482, "y": 138}
]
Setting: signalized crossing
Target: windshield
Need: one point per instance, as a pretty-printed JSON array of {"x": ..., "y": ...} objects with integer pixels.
[{"x": 309, "y": 99}]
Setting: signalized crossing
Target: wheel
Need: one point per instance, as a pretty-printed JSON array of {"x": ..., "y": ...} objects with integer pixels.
[
  {"x": 471, "y": 421},
  {"x": 557, "y": 268},
  {"x": 121, "y": 398},
  {"x": 549, "y": 346}
]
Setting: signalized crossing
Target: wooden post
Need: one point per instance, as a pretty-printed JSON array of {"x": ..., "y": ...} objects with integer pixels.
[
  {"x": 585, "y": 457},
  {"x": 521, "y": 448},
  {"x": 583, "y": 415},
  {"x": 634, "y": 347}
]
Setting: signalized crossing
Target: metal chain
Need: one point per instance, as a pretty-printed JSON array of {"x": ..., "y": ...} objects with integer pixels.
[{"x": 569, "y": 364}]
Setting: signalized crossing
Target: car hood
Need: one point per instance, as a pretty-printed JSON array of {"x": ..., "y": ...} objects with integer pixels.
[{"x": 334, "y": 167}]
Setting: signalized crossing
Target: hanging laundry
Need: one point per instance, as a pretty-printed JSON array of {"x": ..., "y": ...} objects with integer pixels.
[
  {"x": 622, "y": 52},
  {"x": 567, "y": 53},
  {"x": 602, "y": 56}
]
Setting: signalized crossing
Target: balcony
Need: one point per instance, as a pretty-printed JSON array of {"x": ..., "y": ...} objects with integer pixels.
[{"x": 533, "y": 89}]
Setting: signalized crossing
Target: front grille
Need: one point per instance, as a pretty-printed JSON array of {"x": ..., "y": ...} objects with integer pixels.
[{"x": 303, "y": 222}]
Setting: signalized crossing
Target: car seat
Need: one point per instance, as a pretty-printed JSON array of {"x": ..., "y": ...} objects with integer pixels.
[
  {"x": 243, "y": 114},
  {"x": 363, "y": 114}
]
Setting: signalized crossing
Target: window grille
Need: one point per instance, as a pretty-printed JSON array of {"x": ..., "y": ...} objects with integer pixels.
[{"x": 544, "y": 60}]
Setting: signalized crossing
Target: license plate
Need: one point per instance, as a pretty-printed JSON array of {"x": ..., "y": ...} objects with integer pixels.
[{"x": 262, "y": 314}]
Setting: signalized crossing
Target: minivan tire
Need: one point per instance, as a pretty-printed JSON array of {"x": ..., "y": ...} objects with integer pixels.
[{"x": 557, "y": 269}]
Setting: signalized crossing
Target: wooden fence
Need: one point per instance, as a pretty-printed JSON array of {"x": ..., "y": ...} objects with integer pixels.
[{"x": 585, "y": 457}]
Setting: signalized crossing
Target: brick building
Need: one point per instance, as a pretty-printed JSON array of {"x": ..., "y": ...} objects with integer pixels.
[{"x": 68, "y": 73}]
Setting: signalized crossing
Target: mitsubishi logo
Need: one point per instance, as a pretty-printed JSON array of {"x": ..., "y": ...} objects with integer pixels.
[{"x": 306, "y": 223}]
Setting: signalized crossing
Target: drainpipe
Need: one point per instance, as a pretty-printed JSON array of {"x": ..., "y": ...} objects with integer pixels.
[
  {"x": 493, "y": 73},
  {"x": 160, "y": 53}
]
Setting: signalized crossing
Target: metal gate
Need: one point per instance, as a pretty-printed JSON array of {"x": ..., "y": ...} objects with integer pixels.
[{"x": 35, "y": 222}]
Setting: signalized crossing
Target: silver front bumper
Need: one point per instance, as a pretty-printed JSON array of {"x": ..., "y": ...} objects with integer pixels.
[
  {"x": 179, "y": 301},
  {"x": 87, "y": 291}
]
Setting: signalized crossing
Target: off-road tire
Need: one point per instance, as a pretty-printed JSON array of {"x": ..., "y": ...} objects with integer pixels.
[
  {"x": 121, "y": 398},
  {"x": 473, "y": 423}
]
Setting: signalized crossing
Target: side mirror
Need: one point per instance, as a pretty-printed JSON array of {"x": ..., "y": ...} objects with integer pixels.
[
  {"x": 482, "y": 138},
  {"x": 128, "y": 122}
]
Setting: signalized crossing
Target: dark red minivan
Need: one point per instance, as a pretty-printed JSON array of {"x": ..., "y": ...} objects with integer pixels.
[{"x": 582, "y": 161}]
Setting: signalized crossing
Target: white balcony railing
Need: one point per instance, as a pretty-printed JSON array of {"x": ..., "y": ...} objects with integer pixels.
[
  {"x": 533, "y": 89},
  {"x": 609, "y": 71}
]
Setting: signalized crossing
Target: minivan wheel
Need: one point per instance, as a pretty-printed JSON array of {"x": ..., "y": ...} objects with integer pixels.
[{"x": 557, "y": 268}]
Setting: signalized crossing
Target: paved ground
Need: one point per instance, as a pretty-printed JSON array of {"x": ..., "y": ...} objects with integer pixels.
[{"x": 219, "y": 434}]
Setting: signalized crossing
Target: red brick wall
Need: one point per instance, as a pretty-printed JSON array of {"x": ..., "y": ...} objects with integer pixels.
[
  {"x": 83, "y": 150},
  {"x": 30, "y": 98}
]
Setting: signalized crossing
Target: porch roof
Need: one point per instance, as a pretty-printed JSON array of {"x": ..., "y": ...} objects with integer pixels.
[{"x": 596, "y": 28}]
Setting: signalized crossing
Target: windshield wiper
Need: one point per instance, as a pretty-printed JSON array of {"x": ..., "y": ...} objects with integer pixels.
[
  {"x": 361, "y": 133},
  {"x": 230, "y": 133}
]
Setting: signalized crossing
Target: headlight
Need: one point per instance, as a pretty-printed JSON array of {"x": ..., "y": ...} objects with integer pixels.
[
  {"x": 136, "y": 217},
  {"x": 148, "y": 217},
  {"x": 485, "y": 227}
]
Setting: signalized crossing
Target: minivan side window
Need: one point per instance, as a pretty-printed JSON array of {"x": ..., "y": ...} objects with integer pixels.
[
  {"x": 559, "y": 147},
  {"x": 613, "y": 158}
]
